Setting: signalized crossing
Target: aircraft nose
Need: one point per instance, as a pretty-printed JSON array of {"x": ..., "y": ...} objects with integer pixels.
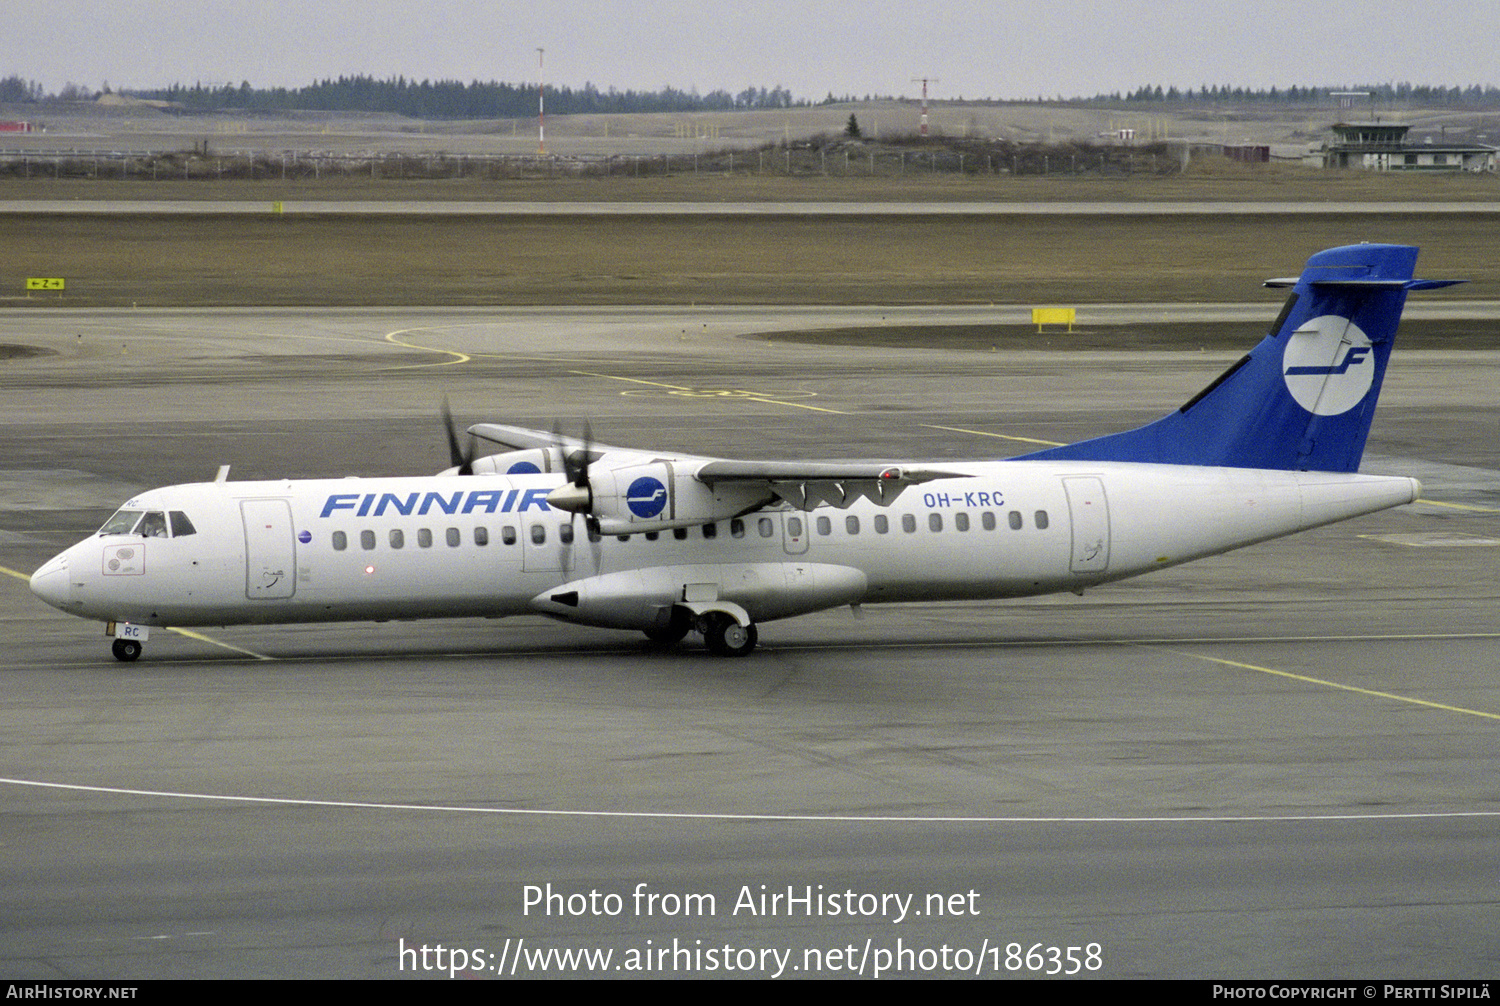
[{"x": 52, "y": 584}]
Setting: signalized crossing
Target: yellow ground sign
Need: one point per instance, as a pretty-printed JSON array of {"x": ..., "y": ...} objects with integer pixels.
[
  {"x": 33, "y": 283},
  {"x": 1053, "y": 316}
]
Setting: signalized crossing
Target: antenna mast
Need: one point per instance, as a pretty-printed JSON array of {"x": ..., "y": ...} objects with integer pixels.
[
  {"x": 922, "y": 129},
  {"x": 541, "y": 112}
]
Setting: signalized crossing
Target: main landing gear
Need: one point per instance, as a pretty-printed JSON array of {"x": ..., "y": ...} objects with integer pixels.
[
  {"x": 722, "y": 633},
  {"x": 727, "y": 638}
]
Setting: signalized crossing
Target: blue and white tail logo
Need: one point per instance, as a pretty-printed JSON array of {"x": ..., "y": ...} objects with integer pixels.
[
  {"x": 1303, "y": 399},
  {"x": 1328, "y": 365}
]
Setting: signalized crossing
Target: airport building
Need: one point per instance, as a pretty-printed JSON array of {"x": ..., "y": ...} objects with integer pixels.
[{"x": 1383, "y": 146}]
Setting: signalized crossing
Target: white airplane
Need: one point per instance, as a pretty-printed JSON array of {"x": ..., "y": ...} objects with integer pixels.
[{"x": 676, "y": 543}]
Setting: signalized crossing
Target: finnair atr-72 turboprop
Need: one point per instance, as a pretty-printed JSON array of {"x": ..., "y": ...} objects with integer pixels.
[{"x": 676, "y": 543}]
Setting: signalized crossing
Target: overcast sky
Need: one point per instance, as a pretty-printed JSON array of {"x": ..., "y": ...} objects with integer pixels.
[{"x": 811, "y": 47}]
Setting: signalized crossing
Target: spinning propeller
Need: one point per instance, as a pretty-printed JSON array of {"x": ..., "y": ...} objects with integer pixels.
[
  {"x": 577, "y": 496},
  {"x": 462, "y": 459}
]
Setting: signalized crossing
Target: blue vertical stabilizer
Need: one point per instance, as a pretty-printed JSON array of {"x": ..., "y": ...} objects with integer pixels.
[{"x": 1301, "y": 400}]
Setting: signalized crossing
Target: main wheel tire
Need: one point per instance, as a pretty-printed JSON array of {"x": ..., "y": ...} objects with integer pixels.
[
  {"x": 677, "y": 626},
  {"x": 126, "y": 649},
  {"x": 727, "y": 638}
]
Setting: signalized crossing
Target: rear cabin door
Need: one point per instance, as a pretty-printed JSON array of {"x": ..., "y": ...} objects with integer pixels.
[{"x": 1089, "y": 515}]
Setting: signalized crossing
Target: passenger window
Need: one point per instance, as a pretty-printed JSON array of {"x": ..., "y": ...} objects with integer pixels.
[
  {"x": 882, "y": 523},
  {"x": 424, "y": 537},
  {"x": 595, "y": 536},
  {"x": 454, "y": 537},
  {"x": 710, "y": 530},
  {"x": 180, "y": 524},
  {"x": 987, "y": 521},
  {"x": 934, "y": 522},
  {"x": 507, "y": 535},
  {"x": 481, "y": 536},
  {"x": 908, "y": 522},
  {"x": 825, "y": 526},
  {"x": 960, "y": 522},
  {"x": 766, "y": 528},
  {"x": 398, "y": 538},
  {"x": 794, "y": 526},
  {"x": 367, "y": 540},
  {"x": 851, "y": 524},
  {"x": 1015, "y": 520},
  {"x": 539, "y": 534},
  {"x": 565, "y": 533},
  {"x": 340, "y": 541},
  {"x": 736, "y": 528},
  {"x": 680, "y": 533},
  {"x": 650, "y": 535},
  {"x": 1042, "y": 520}
]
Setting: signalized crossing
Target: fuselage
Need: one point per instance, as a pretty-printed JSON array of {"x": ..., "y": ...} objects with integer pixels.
[{"x": 226, "y": 553}]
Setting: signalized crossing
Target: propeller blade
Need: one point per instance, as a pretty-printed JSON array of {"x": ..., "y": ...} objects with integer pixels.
[
  {"x": 588, "y": 447},
  {"x": 462, "y": 460},
  {"x": 576, "y": 461}
]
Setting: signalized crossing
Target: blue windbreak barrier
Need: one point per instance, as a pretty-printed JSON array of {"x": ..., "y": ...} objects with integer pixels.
[{"x": 1304, "y": 398}]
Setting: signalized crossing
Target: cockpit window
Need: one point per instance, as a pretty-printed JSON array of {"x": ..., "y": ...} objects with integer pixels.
[
  {"x": 147, "y": 523},
  {"x": 121, "y": 523},
  {"x": 153, "y": 525}
]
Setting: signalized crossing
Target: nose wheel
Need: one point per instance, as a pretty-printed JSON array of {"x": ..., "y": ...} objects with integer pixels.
[{"x": 126, "y": 649}]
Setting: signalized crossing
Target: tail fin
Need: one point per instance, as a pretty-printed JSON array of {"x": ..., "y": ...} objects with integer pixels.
[{"x": 1303, "y": 399}]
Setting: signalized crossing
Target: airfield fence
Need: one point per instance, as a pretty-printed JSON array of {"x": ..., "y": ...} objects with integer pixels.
[{"x": 849, "y": 159}]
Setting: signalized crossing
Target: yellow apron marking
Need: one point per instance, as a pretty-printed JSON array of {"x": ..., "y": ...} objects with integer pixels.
[
  {"x": 1459, "y": 506},
  {"x": 1334, "y": 684},
  {"x": 189, "y": 633},
  {"x": 392, "y": 337},
  {"x": 1000, "y": 436},
  {"x": 745, "y": 396}
]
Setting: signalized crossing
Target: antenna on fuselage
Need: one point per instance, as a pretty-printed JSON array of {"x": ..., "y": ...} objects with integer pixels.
[{"x": 223, "y": 475}]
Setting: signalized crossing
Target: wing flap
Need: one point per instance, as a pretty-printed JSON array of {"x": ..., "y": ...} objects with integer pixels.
[{"x": 808, "y": 485}]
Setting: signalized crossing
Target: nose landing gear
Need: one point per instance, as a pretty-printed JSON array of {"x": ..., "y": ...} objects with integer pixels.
[
  {"x": 126, "y": 649},
  {"x": 129, "y": 638}
]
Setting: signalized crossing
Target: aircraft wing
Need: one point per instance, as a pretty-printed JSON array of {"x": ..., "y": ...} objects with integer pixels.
[
  {"x": 732, "y": 487},
  {"x": 809, "y": 484},
  {"x": 518, "y": 438}
]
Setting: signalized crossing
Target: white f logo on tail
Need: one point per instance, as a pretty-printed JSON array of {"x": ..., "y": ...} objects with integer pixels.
[{"x": 1328, "y": 365}]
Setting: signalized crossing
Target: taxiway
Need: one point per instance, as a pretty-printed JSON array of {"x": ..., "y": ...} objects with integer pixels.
[{"x": 1277, "y": 763}]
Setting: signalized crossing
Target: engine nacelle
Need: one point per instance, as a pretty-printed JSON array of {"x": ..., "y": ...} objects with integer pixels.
[
  {"x": 529, "y": 462},
  {"x": 664, "y": 494}
]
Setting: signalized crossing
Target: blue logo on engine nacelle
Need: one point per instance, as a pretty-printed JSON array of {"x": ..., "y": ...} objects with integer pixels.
[
  {"x": 646, "y": 497},
  {"x": 523, "y": 468}
]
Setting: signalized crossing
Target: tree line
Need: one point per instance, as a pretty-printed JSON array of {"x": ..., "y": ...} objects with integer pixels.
[
  {"x": 453, "y": 99},
  {"x": 424, "y": 99},
  {"x": 1473, "y": 96}
]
